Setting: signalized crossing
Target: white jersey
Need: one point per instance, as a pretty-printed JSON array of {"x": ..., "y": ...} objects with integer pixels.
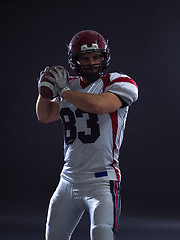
[{"x": 92, "y": 142}]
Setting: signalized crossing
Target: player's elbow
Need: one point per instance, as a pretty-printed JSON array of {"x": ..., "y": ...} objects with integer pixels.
[
  {"x": 41, "y": 117},
  {"x": 47, "y": 118},
  {"x": 42, "y": 120}
]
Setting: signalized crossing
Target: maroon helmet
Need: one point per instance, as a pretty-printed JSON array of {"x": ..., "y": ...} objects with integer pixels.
[{"x": 88, "y": 41}]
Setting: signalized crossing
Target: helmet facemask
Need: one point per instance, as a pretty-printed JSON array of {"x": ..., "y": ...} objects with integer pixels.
[{"x": 89, "y": 71}]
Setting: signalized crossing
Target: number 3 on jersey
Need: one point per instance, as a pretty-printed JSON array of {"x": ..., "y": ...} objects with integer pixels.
[{"x": 69, "y": 120}]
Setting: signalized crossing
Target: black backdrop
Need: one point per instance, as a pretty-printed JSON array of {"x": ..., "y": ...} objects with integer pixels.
[{"x": 144, "y": 39}]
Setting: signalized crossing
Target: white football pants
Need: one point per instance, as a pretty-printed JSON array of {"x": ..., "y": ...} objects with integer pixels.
[{"x": 69, "y": 201}]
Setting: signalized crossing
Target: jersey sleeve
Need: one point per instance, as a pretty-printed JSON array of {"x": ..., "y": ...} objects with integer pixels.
[{"x": 123, "y": 86}]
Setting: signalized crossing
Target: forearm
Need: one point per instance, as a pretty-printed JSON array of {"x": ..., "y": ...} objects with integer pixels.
[
  {"x": 93, "y": 103},
  {"x": 47, "y": 110},
  {"x": 43, "y": 107}
]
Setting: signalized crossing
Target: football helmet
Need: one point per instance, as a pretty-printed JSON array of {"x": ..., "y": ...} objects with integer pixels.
[{"x": 88, "y": 41}]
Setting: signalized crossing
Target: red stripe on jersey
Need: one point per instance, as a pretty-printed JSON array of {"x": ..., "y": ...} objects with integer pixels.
[
  {"x": 114, "y": 120},
  {"x": 124, "y": 79},
  {"x": 107, "y": 82},
  {"x": 117, "y": 171}
]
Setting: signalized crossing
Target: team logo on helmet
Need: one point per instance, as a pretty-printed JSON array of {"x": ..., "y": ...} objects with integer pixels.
[{"x": 90, "y": 46}]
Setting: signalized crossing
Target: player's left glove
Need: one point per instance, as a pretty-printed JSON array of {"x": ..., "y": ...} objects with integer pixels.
[{"x": 60, "y": 79}]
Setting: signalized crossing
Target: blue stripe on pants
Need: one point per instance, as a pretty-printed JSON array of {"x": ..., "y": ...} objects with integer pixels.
[{"x": 115, "y": 191}]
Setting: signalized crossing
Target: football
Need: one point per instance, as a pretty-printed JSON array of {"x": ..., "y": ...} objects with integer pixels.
[{"x": 47, "y": 87}]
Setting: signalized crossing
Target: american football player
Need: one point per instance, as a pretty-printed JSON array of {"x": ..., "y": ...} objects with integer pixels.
[{"x": 93, "y": 107}]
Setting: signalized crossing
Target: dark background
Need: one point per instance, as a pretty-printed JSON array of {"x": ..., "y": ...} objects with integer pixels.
[{"x": 144, "y": 39}]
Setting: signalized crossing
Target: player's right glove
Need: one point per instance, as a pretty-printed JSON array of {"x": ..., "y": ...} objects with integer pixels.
[
  {"x": 60, "y": 79},
  {"x": 39, "y": 78}
]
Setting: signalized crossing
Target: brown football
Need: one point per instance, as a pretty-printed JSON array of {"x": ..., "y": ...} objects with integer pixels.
[{"x": 47, "y": 88}]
